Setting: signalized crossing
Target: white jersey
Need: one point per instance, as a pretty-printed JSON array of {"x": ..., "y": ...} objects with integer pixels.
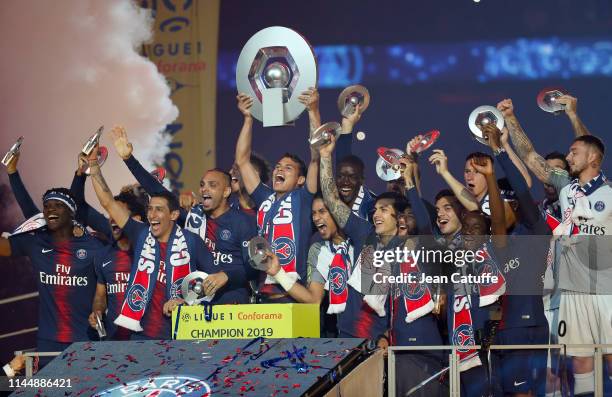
[{"x": 584, "y": 263}]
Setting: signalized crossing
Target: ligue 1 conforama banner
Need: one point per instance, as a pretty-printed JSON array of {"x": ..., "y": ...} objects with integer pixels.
[{"x": 184, "y": 48}]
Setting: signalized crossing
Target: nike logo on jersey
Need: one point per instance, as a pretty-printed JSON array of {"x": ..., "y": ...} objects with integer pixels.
[
  {"x": 44, "y": 251},
  {"x": 106, "y": 263},
  {"x": 519, "y": 383}
]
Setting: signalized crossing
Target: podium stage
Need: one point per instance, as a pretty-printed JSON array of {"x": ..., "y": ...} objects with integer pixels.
[{"x": 257, "y": 367}]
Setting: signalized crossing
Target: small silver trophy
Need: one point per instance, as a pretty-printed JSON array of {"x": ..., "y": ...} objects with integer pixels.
[
  {"x": 259, "y": 250},
  {"x": 13, "y": 151},
  {"x": 547, "y": 100},
  {"x": 322, "y": 135},
  {"x": 352, "y": 96},
  {"x": 388, "y": 167},
  {"x": 100, "y": 327},
  {"x": 193, "y": 289},
  {"x": 482, "y": 116}
]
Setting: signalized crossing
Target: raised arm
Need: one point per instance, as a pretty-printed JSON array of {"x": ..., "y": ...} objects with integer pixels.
[
  {"x": 28, "y": 208},
  {"x": 337, "y": 208},
  {"x": 570, "y": 110},
  {"x": 466, "y": 198},
  {"x": 520, "y": 166},
  {"x": 524, "y": 147},
  {"x": 250, "y": 178},
  {"x": 344, "y": 142},
  {"x": 86, "y": 214},
  {"x": 117, "y": 212},
  {"x": 310, "y": 98},
  {"x": 423, "y": 222}
]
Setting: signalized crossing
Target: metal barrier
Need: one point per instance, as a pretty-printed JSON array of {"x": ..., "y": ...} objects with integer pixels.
[{"x": 453, "y": 360}]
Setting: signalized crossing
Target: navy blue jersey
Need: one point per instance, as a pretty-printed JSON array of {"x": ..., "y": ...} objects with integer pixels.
[
  {"x": 302, "y": 223},
  {"x": 66, "y": 282},
  {"x": 154, "y": 323},
  {"x": 234, "y": 202},
  {"x": 113, "y": 271},
  {"x": 227, "y": 239},
  {"x": 358, "y": 319}
]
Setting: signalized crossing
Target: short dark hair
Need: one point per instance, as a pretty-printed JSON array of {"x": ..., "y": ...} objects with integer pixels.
[
  {"x": 173, "y": 203},
  {"x": 453, "y": 200},
  {"x": 355, "y": 162},
  {"x": 399, "y": 202},
  {"x": 592, "y": 140},
  {"x": 474, "y": 155},
  {"x": 485, "y": 217},
  {"x": 228, "y": 177},
  {"x": 297, "y": 159},
  {"x": 136, "y": 205},
  {"x": 558, "y": 156},
  {"x": 262, "y": 167},
  {"x": 318, "y": 195}
]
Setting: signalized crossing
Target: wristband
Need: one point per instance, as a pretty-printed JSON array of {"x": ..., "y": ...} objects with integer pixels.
[
  {"x": 8, "y": 370},
  {"x": 284, "y": 280}
]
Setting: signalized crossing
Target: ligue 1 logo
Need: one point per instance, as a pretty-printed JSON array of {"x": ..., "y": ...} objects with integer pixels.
[{"x": 160, "y": 386}]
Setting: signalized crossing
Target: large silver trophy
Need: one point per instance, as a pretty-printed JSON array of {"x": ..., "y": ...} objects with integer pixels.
[
  {"x": 259, "y": 249},
  {"x": 13, "y": 151},
  {"x": 482, "y": 116},
  {"x": 192, "y": 288},
  {"x": 352, "y": 96},
  {"x": 322, "y": 135},
  {"x": 91, "y": 144},
  {"x": 275, "y": 66},
  {"x": 388, "y": 167},
  {"x": 547, "y": 100}
]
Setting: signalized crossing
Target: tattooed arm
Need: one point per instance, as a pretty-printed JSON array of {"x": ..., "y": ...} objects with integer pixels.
[
  {"x": 117, "y": 212},
  {"x": 337, "y": 208},
  {"x": 522, "y": 144}
]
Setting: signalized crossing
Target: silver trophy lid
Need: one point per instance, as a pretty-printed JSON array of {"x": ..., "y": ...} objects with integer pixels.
[
  {"x": 259, "y": 248},
  {"x": 388, "y": 167},
  {"x": 350, "y": 97},
  {"x": 12, "y": 151},
  {"x": 547, "y": 99},
  {"x": 481, "y": 116},
  {"x": 323, "y": 134},
  {"x": 276, "y": 57},
  {"x": 192, "y": 288}
]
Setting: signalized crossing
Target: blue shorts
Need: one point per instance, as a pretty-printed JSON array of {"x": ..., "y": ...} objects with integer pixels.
[{"x": 521, "y": 371}]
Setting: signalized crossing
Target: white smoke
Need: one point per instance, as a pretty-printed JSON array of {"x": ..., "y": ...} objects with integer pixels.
[{"x": 69, "y": 66}]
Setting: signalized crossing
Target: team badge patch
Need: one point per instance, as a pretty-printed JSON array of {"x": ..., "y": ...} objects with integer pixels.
[
  {"x": 81, "y": 254},
  {"x": 599, "y": 206},
  {"x": 463, "y": 336},
  {"x": 337, "y": 280},
  {"x": 160, "y": 386},
  {"x": 413, "y": 291},
  {"x": 225, "y": 235},
  {"x": 285, "y": 250},
  {"x": 137, "y": 297}
]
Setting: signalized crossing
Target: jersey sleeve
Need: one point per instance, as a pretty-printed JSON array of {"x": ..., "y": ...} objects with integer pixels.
[
  {"x": 260, "y": 194},
  {"x": 21, "y": 244},
  {"x": 313, "y": 254},
  {"x": 133, "y": 229}
]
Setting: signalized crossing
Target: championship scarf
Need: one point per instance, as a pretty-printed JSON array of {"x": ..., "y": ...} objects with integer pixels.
[
  {"x": 196, "y": 221},
  {"x": 463, "y": 333},
  {"x": 416, "y": 296},
  {"x": 339, "y": 271},
  {"x": 580, "y": 206},
  {"x": 362, "y": 204},
  {"x": 490, "y": 293},
  {"x": 144, "y": 276},
  {"x": 278, "y": 222}
]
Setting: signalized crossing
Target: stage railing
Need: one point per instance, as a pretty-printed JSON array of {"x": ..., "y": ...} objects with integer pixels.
[{"x": 453, "y": 367}]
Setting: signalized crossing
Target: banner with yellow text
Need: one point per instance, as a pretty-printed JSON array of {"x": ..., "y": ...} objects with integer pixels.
[{"x": 184, "y": 48}]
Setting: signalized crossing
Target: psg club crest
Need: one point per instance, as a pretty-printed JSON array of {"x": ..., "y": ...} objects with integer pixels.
[
  {"x": 160, "y": 386},
  {"x": 488, "y": 267},
  {"x": 413, "y": 291},
  {"x": 137, "y": 297},
  {"x": 285, "y": 250},
  {"x": 463, "y": 336},
  {"x": 225, "y": 235},
  {"x": 599, "y": 206},
  {"x": 81, "y": 254},
  {"x": 337, "y": 280}
]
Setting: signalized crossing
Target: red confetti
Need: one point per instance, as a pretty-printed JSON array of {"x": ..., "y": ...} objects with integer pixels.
[{"x": 296, "y": 385}]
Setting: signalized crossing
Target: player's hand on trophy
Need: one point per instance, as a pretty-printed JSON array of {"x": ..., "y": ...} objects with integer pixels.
[
  {"x": 483, "y": 165},
  {"x": 408, "y": 166},
  {"x": 82, "y": 163},
  {"x": 92, "y": 159},
  {"x": 349, "y": 122},
  {"x": 492, "y": 135},
  {"x": 506, "y": 107},
  {"x": 439, "y": 159},
  {"x": 310, "y": 99},
  {"x": 327, "y": 149},
  {"x": 244, "y": 104},
  {"x": 187, "y": 200},
  {"x": 172, "y": 304},
  {"x": 93, "y": 322},
  {"x": 570, "y": 103},
  {"x": 11, "y": 167},
  {"x": 214, "y": 282},
  {"x": 122, "y": 144},
  {"x": 273, "y": 264}
]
